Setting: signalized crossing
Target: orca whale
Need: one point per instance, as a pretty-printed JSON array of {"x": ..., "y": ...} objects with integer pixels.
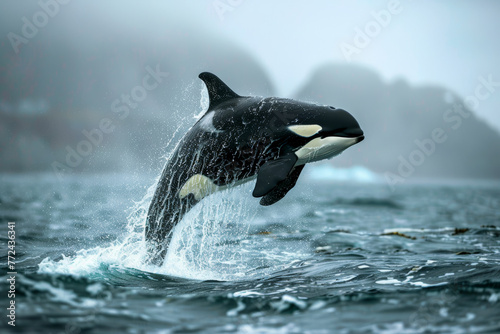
[{"x": 237, "y": 139}]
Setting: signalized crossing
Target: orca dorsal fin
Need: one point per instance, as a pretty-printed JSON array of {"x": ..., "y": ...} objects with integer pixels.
[{"x": 218, "y": 91}]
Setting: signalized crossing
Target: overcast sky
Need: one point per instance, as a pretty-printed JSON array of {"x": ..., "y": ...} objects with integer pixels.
[{"x": 450, "y": 43}]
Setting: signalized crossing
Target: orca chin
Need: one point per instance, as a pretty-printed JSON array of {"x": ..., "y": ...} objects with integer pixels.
[{"x": 241, "y": 138}]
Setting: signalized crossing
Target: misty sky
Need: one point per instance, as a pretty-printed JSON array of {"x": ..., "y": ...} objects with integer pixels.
[{"x": 450, "y": 43}]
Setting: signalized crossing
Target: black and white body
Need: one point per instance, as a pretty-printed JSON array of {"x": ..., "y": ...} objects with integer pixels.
[{"x": 237, "y": 139}]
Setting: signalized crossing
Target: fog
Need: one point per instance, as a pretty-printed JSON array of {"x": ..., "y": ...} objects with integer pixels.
[{"x": 423, "y": 79}]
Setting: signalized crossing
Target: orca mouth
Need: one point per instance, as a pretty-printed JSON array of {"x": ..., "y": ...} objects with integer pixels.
[
  {"x": 360, "y": 139},
  {"x": 351, "y": 133}
]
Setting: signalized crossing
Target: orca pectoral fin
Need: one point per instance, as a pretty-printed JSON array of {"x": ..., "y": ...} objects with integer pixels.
[
  {"x": 282, "y": 188},
  {"x": 272, "y": 173}
]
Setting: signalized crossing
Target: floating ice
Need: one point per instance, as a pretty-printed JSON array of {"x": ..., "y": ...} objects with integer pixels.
[{"x": 326, "y": 172}]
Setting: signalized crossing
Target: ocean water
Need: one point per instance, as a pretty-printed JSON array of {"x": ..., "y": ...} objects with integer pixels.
[{"x": 342, "y": 256}]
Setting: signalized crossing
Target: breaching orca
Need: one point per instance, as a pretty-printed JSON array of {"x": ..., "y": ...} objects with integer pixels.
[{"x": 238, "y": 138}]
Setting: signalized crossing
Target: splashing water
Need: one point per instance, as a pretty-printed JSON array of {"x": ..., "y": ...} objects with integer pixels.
[
  {"x": 209, "y": 242},
  {"x": 204, "y": 101}
]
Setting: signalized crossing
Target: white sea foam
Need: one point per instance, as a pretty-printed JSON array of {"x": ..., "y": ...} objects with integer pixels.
[{"x": 390, "y": 280}]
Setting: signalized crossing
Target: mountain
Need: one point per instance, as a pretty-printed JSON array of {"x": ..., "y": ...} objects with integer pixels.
[
  {"x": 59, "y": 86},
  {"x": 399, "y": 121}
]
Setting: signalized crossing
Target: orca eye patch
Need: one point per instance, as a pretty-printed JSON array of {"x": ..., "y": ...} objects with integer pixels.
[{"x": 305, "y": 130}]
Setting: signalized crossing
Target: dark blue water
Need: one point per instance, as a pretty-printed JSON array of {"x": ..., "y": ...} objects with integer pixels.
[{"x": 333, "y": 256}]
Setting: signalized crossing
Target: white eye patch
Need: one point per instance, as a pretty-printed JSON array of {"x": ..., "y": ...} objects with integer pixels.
[{"x": 305, "y": 130}]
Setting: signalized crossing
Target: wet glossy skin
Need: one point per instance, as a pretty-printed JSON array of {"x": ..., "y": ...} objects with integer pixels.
[{"x": 229, "y": 145}]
